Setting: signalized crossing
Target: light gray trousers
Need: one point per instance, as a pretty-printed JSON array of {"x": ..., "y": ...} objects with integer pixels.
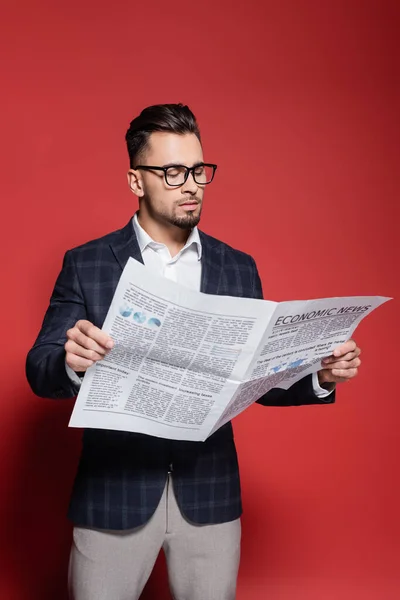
[{"x": 202, "y": 560}]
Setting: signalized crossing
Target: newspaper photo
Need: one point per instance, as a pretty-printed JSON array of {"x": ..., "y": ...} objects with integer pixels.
[{"x": 184, "y": 363}]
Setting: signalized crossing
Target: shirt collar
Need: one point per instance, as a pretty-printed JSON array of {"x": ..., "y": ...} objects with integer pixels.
[{"x": 145, "y": 240}]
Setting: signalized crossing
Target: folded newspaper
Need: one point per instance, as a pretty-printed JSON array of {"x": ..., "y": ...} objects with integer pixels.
[{"x": 184, "y": 363}]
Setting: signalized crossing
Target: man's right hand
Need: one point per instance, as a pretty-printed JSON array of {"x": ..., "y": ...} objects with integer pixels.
[{"x": 86, "y": 345}]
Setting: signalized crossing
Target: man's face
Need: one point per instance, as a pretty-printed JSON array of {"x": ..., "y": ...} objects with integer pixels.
[{"x": 179, "y": 206}]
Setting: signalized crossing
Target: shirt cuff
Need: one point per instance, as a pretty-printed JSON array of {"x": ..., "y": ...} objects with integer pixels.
[
  {"x": 74, "y": 377},
  {"x": 319, "y": 391}
]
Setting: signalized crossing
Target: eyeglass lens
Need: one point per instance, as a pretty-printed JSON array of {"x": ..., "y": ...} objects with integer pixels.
[{"x": 202, "y": 174}]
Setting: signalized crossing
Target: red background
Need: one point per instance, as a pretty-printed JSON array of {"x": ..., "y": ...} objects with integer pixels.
[{"x": 298, "y": 104}]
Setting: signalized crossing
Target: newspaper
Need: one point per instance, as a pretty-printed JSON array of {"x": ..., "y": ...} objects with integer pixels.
[{"x": 184, "y": 363}]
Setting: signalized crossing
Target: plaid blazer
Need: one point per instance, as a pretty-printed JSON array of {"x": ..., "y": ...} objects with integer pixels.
[{"x": 121, "y": 475}]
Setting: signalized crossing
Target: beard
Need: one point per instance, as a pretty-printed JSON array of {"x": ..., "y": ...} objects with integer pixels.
[{"x": 189, "y": 221}]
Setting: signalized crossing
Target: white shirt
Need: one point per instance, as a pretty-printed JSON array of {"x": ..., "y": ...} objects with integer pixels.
[{"x": 184, "y": 268}]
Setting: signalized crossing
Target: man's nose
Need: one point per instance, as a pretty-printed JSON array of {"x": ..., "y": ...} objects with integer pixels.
[{"x": 190, "y": 185}]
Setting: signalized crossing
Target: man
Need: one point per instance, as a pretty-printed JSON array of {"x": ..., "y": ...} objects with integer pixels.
[{"x": 135, "y": 494}]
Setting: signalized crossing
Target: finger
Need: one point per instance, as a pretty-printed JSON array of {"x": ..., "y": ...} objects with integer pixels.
[
  {"x": 86, "y": 342},
  {"x": 325, "y": 376},
  {"x": 344, "y": 364},
  {"x": 348, "y": 346},
  {"x": 337, "y": 375},
  {"x": 73, "y": 348},
  {"x": 344, "y": 374},
  {"x": 77, "y": 363},
  {"x": 348, "y": 356},
  {"x": 95, "y": 333},
  {"x": 329, "y": 378}
]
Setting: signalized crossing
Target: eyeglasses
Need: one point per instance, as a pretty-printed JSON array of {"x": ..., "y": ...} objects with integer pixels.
[{"x": 176, "y": 175}]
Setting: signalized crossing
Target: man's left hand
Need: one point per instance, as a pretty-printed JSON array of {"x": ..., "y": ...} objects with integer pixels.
[{"x": 341, "y": 366}]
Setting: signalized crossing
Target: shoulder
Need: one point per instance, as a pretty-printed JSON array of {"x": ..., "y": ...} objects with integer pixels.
[
  {"x": 229, "y": 253},
  {"x": 102, "y": 243}
]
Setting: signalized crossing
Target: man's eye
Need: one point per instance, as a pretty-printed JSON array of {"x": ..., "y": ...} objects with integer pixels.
[
  {"x": 199, "y": 170},
  {"x": 174, "y": 172}
]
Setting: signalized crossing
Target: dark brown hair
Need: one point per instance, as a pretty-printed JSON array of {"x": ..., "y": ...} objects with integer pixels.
[{"x": 174, "y": 118}]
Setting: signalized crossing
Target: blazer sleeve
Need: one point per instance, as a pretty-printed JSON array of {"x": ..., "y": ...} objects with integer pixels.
[
  {"x": 301, "y": 392},
  {"x": 45, "y": 363}
]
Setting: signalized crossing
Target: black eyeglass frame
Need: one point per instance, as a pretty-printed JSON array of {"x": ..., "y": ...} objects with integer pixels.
[{"x": 188, "y": 171}]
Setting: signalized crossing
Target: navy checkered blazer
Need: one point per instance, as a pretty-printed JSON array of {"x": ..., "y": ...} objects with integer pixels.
[{"x": 121, "y": 475}]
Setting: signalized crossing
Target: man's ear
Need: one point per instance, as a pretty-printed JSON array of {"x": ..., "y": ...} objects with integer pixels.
[{"x": 135, "y": 182}]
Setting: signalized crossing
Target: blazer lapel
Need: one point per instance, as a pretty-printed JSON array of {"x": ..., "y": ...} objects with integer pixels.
[
  {"x": 125, "y": 245},
  {"x": 212, "y": 266}
]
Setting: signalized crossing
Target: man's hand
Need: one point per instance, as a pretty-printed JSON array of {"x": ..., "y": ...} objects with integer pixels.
[
  {"x": 86, "y": 344},
  {"x": 341, "y": 366}
]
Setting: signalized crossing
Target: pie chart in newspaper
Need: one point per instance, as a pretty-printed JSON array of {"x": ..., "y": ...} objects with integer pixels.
[
  {"x": 153, "y": 322},
  {"x": 125, "y": 311},
  {"x": 139, "y": 317}
]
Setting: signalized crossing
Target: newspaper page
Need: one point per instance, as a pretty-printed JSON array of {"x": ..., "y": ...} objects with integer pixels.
[
  {"x": 299, "y": 335},
  {"x": 178, "y": 358},
  {"x": 184, "y": 362}
]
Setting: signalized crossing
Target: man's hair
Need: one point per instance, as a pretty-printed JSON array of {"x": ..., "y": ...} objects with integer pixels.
[{"x": 173, "y": 118}]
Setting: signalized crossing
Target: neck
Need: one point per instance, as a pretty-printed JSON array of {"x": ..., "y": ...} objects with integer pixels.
[{"x": 164, "y": 233}]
